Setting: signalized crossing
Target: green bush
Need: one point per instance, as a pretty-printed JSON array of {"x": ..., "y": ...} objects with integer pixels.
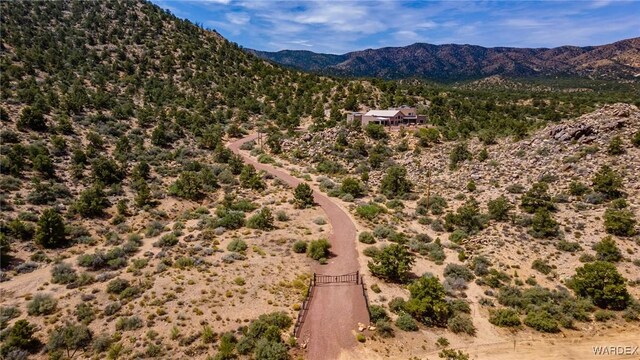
[
  {"x": 636, "y": 139},
  {"x": 541, "y": 266},
  {"x": 352, "y": 186},
  {"x": 567, "y": 246},
  {"x": 616, "y": 147},
  {"x": 300, "y": 247},
  {"x": 542, "y": 321},
  {"x": 187, "y": 186},
  {"x": 406, "y": 323},
  {"x": 128, "y": 323},
  {"x": 499, "y": 208},
  {"x": 451, "y": 354},
  {"x": 366, "y": 237},
  {"x": 250, "y": 179},
  {"x": 384, "y": 328},
  {"x": 504, "y": 318},
  {"x": 263, "y": 220},
  {"x": 69, "y": 339},
  {"x": 91, "y": 202},
  {"x": 461, "y": 323},
  {"x": 42, "y": 304},
  {"x": 602, "y": 283},
  {"x": 230, "y": 219},
  {"x": 376, "y": 131},
  {"x": 167, "y": 240},
  {"x": 369, "y": 211},
  {"x": 31, "y": 118},
  {"x": 303, "y": 196},
  {"x": 395, "y": 182},
  {"x": 392, "y": 263},
  {"x": 50, "y": 230},
  {"x": 576, "y": 188},
  {"x": 106, "y": 171},
  {"x": 116, "y": 286},
  {"x": 427, "y": 136},
  {"x": 84, "y": 313},
  {"x": 604, "y": 315},
  {"x": 378, "y": 313},
  {"x": 620, "y": 222},
  {"x": 466, "y": 218},
  {"x": 237, "y": 245},
  {"x": 318, "y": 249},
  {"x": 458, "y": 272},
  {"x": 458, "y": 154},
  {"x": 19, "y": 338},
  {"x": 608, "y": 182},
  {"x": 63, "y": 274},
  {"x": 606, "y": 250},
  {"x": 427, "y": 302},
  {"x": 543, "y": 225},
  {"x": 537, "y": 198}
]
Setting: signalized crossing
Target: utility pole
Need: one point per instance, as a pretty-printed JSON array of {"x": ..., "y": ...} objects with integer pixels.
[{"x": 428, "y": 187}]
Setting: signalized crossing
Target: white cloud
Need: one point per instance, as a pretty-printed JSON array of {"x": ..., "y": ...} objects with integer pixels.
[{"x": 238, "y": 18}]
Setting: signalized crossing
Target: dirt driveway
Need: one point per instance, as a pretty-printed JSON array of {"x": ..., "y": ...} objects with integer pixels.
[{"x": 335, "y": 310}]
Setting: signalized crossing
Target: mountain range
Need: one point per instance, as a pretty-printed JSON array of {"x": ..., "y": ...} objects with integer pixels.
[{"x": 450, "y": 62}]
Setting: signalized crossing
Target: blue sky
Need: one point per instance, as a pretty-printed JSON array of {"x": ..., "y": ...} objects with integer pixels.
[{"x": 337, "y": 26}]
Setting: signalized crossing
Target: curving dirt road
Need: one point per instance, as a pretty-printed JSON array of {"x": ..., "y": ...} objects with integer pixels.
[{"x": 335, "y": 310}]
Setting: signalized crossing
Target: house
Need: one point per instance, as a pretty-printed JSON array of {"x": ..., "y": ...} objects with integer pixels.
[{"x": 403, "y": 115}]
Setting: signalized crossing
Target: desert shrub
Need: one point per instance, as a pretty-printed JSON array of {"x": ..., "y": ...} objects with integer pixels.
[
  {"x": 602, "y": 283},
  {"x": 382, "y": 232},
  {"x": 504, "y": 318},
  {"x": 607, "y": 182},
  {"x": 369, "y": 211},
  {"x": 263, "y": 334},
  {"x": 543, "y": 225},
  {"x": 427, "y": 302},
  {"x": 458, "y": 271},
  {"x": 458, "y": 154},
  {"x": 318, "y": 249},
  {"x": 112, "y": 308},
  {"x": 636, "y": 139},
  {"x": 466, "y": 218},
  {"x": 406, "y": 323},
  {"x": 378, "y": 313},
  {"x": 451, "y": 354},
  {"x": 435, "y": 251},
  {"x": 458, "y": 235},
  {"x": 392, "y": 263},
  {"x": 84, "y": 313},
  {"x": 615, "y": 147},
  {"x": 187, "y": 186},
  {"x": 31, "y": 118},
  {"x": 128, "y": 323},
  {"x": 115, "y": 258},
  {"x": 69, "y": 339},
  {"x": 376, "y": 131},
  {"x": 499, "y": 208},
  {"x": 461, "y": 323},
  {"x": 606, "y": 250},
  {"x": 42, "y": 304},
  {"x": 604, "y": 315},
  {"x": 537, "y": 198},
  {"x": 427, "y": 136},
  {"x": 6, "y": 314},
  {"x": 263, "y": 220},
  {"x": 167, "y": 240},
  {"x": 396, "y": 305},
  {"x": 282, "y": 216},
  {"x": 352, "y": 187},
  {"x": 91, "y": 202},
  {"x": 63, "y": 274},
  {"x": 237, "y": 245},
  {"x": 366, "y": 238},
  {"x": 619, "y": 221},
  {"x": 50, "y": 230},
  {"x": 395, "y": 182},
  {"x": 250, "y": 179},
  {"x": 542, "y": 321},
  {"x": 19, "y": 338},
  {"x": 371, "y": 251},
  {"x": 541, "y": 266},
  {"x": 116, "y": 286},
  {"x": 106, "y": 171},
  {"x": 384, "y": 328},
  {"x": 300, "y": 247},
  {"x": 576, "y": 188},
  {"x": 567, "y": 246}
]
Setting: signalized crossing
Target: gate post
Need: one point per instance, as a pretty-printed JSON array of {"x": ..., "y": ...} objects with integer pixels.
[
  {"x": 357, "y": 276},
  {"x": 314, "y": 278}
]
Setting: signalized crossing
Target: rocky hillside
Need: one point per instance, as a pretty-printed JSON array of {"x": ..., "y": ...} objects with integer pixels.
[{"x": 457, "y": 62}]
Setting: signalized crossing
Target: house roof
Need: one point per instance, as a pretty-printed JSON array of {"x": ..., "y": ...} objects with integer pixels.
[{"x": 383, "y": 113}]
